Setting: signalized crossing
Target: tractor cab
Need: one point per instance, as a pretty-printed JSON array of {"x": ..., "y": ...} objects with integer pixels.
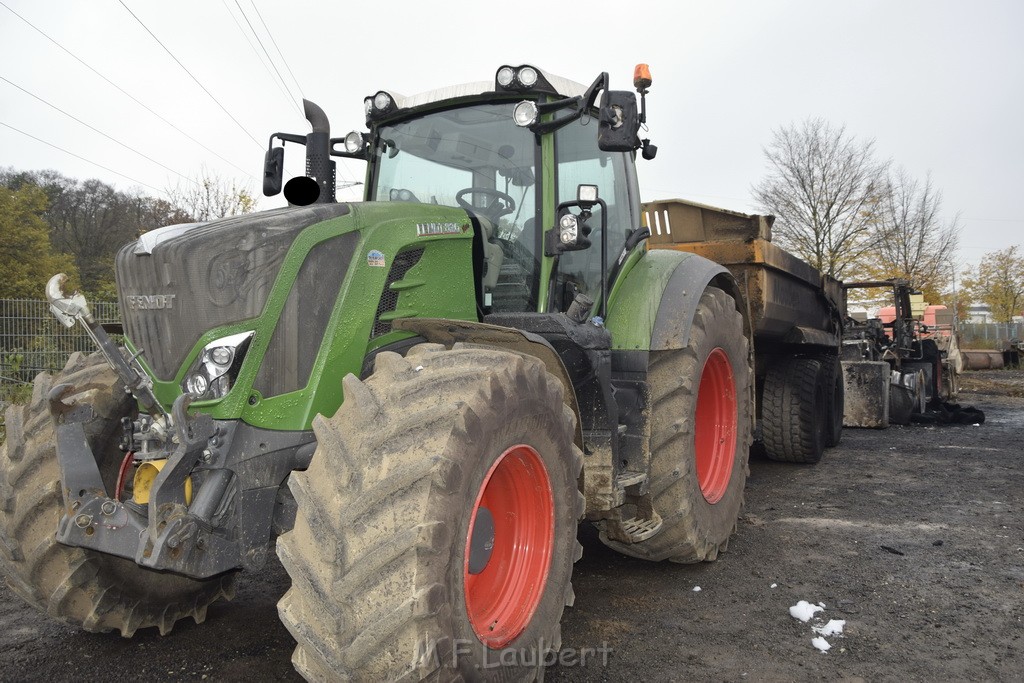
[{"x": 514, "y": 154}]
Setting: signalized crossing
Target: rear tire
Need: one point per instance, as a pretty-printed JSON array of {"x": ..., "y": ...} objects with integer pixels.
[
  {"x": 700, "y": 436},
  {"x": 794, "y": 410},
  {"x": 84, "y": 588},
  {"x": 380, "y": 552}
]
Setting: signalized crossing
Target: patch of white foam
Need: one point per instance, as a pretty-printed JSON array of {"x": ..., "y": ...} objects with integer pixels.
[
  {"x": 804, "y": 610},
  {"x": 834, "y": 627}
]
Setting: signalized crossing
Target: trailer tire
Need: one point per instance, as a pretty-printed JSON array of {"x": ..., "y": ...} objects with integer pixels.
[
  {"x": 385, "y": 540},
  {"x": 836, "y": 388},
  {"x": 80, "y": 587},
  {"x": 795, "y": 415},
  {"x": 700, "y": 436}
]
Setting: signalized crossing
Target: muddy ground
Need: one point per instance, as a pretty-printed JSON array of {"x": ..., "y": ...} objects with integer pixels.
[{"x": 914, "y": 536}]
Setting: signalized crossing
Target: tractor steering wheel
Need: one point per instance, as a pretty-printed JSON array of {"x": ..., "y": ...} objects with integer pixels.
[{"x": 500, "y": 204}]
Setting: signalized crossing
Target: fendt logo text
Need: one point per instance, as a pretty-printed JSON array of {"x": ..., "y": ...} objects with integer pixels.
[{"x": 149, "y": 302}]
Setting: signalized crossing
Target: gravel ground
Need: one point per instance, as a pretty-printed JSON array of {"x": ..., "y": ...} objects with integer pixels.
[{"x": 913, "y": 535}]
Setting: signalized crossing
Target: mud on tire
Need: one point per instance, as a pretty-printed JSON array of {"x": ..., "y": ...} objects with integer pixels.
[
  {"x": 81, "y": 587},
  {"x": 689, "y": 469},
  {"x": 378, "y": 555}
]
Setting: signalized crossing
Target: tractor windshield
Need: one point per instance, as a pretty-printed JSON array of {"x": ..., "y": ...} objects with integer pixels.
[{"x": 477, "y": 158}]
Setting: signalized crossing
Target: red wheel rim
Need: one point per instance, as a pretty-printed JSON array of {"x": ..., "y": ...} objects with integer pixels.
[
  {"x": 715, "y": 429},
  {"x": 502, "y": 598}
]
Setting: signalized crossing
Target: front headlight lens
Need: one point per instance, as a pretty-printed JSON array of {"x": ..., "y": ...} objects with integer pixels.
[
  {"x": 222, "y": 355},
  {"x": 215, "y": 370},
  {"x": 382, "y": 100},
  {"x": 525, "y": 113}
]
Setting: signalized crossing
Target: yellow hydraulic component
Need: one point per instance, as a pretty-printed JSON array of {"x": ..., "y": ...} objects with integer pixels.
[
  {"x": 145, "y": 475},
  {"x": 917, "y": 305}
]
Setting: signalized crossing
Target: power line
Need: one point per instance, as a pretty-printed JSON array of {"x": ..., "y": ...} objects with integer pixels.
[
  {"x": 90, "y": 161},
  {"x": 280, "y": 54},
  {"x": 291, "y": 97},
  {"x": 97, "y": 130},
  {"x": 123, "y": 91},
  {"x": 263, "y": 62},
  {"x": 203, "y": 87},
  {"x": 344, "y": 164}
]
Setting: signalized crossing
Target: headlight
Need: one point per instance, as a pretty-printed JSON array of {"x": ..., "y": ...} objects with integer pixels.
[
  {"x": 354, "y": 142},
  {"x": 568, "y": 229},
  {"x": 525, "y": 113},
  {"x": 521, "y": 78},
  {"x": 379, "y": 105},
  {"x": 214, "y": 372},
  {"x": 528, "y": 76},
  {"x": 505, "y": 76}
]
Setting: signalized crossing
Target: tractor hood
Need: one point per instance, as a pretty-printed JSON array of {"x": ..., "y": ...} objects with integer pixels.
[{"x": 177, "y": 282}]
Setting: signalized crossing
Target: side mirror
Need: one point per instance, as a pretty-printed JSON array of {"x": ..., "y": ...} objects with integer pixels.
[
  {"x": 620, "y": 121},
  {"x": 273, "y": 171}
]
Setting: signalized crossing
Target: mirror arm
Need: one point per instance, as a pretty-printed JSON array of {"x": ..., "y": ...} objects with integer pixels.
[
  {"x": 604, "y": 258},
  {"x": 288, "y": 137}
]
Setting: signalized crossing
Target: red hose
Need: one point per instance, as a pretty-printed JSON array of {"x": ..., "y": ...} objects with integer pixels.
[{"x": 121, "y": 474}]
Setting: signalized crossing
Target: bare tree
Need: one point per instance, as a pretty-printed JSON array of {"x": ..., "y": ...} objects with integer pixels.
[
  {"x": 913, "y": 242},
  {"x": 824, "y": 188},
  {"x": 210, "y": 196}
]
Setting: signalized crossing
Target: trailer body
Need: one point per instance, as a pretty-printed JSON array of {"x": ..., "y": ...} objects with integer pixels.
[{"x": 794, "y": 309}]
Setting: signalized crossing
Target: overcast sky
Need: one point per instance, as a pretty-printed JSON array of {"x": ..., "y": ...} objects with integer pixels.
[{"x": 939, "y": 85}]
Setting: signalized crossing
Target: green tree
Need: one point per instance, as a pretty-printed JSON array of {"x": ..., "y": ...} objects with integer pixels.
[
  {"x": 912, "y": 240},
  {"x": 27, "y": 258},
  {"x": 91, "y": 221},
  {"x": 999, "y": 282}
]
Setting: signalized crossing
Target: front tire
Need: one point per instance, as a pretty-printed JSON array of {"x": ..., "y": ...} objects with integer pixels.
[
  {"x": 84, "y": 588},
  {"x": 700, "y": 436},
  {"x": 395, "y": 572}
]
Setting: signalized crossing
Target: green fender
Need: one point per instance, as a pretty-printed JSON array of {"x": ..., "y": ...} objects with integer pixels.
[{"x": 653, "y": 303}]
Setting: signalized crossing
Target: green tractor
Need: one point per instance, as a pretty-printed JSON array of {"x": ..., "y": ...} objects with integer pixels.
[{"x": 417, "y": 397}]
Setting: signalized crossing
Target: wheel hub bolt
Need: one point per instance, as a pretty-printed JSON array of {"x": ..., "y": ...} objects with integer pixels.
[
  {"x": 83, "y": 521},
  {"x": 108, "y": 508}
]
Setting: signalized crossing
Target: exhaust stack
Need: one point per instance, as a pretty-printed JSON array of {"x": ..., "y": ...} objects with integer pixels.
[
  {"x": 319, "y": 165},
  {"x": 318, "y": 185}
]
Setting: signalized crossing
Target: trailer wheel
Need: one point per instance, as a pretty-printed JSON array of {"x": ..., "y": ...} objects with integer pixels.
[
  {"x": 700, "y": 436},
  {"x": 436, "y": 526},
  {"x": 795, "y": 415},
  {"x": 81, "y": 587},
  {"x": 836, "y": 388}
]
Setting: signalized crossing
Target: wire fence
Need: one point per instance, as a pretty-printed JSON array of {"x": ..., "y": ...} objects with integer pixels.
[
  {"x": 32, "y": 340},
  {"x": 991, "y": 335}
]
